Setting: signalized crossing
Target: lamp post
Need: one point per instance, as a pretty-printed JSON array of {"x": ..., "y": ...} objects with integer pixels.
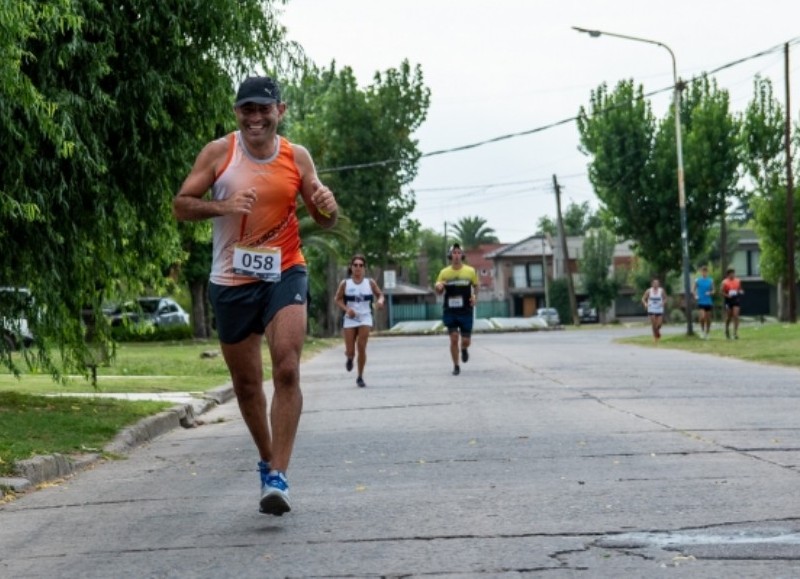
[{"x": 679, "y": 147}]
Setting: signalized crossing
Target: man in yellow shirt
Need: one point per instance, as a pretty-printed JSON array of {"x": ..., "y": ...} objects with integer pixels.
[{"x": 458, "y": 282}]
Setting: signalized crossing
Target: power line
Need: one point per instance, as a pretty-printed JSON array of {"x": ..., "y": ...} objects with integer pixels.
[{"x": 543, "y": 127}]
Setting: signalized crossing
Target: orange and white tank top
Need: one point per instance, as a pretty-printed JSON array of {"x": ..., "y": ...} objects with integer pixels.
[{"x": 273, "y": 221}]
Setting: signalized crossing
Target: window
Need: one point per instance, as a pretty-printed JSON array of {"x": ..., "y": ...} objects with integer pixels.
[
  {"x": 754, "y": 265},
  {"x": 535, "y": 276},
  {"x": 747, "y": 263},
  {"x": 739, "y": 263},
  {"x": 519, "y": 276},
  {"x": 528, "y": 275}
]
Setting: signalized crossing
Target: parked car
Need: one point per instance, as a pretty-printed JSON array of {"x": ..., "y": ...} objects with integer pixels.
[
  {"x": 587, "y": 314},
  {"x": 549, "y": 315},
  {"x": 15, "y": 306},
  {"x": 161, "y": 312}
]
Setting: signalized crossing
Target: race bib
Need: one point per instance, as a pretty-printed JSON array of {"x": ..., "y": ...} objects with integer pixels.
[
  {"x": 732, "y": 293},
  {"x": 455, "y": 302},
  {"x": 263, "y": 263}
]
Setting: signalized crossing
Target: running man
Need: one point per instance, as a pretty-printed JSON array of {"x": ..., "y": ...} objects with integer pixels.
[
  {"x": 731, "y": 290},
  {"x": 258, "y": 284},
  {"x": 654, "y": 300},
  {"x": 704, "y": 296},
  {"x": 458, "y": 282}
]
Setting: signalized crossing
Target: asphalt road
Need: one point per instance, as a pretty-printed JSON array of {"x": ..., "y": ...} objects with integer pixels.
[{"x": 554, "y": 454}]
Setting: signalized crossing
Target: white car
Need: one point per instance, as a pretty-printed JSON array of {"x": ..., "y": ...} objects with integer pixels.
[
  {"x": 15, "y": 303},
  {"x": 161, "y": 312},
  {"x": 549, "y": 315}
]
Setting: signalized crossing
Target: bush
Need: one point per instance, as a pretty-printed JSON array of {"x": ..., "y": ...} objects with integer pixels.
[
  {"x": 150, "y": 333},
  {"x": 676, "y": 316}
]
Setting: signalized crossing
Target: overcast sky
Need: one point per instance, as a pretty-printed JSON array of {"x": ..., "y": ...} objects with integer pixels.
[{"x": 506, "y": 66}]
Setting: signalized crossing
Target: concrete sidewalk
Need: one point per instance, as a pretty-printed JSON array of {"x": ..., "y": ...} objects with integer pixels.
[{"x": 557, "y": 454}]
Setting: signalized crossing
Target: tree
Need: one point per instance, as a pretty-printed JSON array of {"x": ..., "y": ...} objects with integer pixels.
[
  {"x": 104, "y": 108},
  {"x": 368, "y": 130},
  {"x": 578, "y": 219},
  {"x": 432, "y": 247},
  {"x": 598, "y": 254},
  {"x": 765, "y": 163},
  {"x": 473, "y": 232},
  {"x": 343, "y": 125},
  {"x": 633, "y": 168}
]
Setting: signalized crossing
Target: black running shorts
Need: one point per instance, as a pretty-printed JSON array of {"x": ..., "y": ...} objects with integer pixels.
[{"x": 242, "y": 310}]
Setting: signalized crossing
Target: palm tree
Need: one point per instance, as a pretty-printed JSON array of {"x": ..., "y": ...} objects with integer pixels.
[{"x": 472, "y": 232}]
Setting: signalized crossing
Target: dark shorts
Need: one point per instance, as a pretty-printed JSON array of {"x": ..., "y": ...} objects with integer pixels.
[
  {"x": 247, "y": 309},
  {"x": 731, "y": 303},
  {"x": 705, "y": 307},
  {"x": 455, "y": 322}
]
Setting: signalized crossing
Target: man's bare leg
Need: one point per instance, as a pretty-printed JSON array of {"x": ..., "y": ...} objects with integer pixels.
[
  {"x": 245, "y": 365},
  {"x": 285, "y": 336}
]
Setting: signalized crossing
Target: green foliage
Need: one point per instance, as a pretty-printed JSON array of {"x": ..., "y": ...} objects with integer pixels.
[
  {"x": 473, "y": 232},
  {"x": 559, "y": 299},
  {"x": 150, "y": 333},
  {"x": 765, "y": 163},
  {"x": 598, "y": 253},
  {"x": 432, "y": 246},
  {"x": 578, "y": 219},
  {"x": 633, "y": 168},
  {"x": 104, "y": 105},
  {"x": 342, "y": 124}
]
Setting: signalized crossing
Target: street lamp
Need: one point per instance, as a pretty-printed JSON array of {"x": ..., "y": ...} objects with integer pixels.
[{"x": 679, "y": 146}]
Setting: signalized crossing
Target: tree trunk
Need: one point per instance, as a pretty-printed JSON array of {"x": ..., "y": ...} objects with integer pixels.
[
  {"x": 201, "y": 321},
  {"x": 723, "y": 244}
]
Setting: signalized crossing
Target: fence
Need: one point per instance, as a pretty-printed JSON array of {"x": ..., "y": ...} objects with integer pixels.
[{"x": 410, "y": 312}]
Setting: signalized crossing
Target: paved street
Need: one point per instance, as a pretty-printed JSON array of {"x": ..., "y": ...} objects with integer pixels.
[{"x": 553, "y": 454}]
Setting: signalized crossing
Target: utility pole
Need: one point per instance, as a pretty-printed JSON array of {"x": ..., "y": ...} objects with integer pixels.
[
  {"x": 790, "y": 249},
  {"x": 445, "y": 243},
  {"x": 573, "y": 304},
  {"x": 544, "y": 277}
]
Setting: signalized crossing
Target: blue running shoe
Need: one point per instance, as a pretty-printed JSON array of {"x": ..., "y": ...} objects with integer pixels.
[
  {"x": 263, "y": 470},
  {"x": 464, "y": 355},
  {"x": 349, "y": 364},
  {"x": 275, "y": 494}
]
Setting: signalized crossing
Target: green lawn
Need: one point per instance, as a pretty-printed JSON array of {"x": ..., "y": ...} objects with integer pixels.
[
  {"x": 148, "y": 367},
  {"x": 772, "y": 343},
  {"x": 32, "y": 424}
]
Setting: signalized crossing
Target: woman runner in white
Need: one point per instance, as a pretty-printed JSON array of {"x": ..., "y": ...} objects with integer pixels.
[
  {"x": 653, "y": 300},
  {"x": 355, "y": 297}
]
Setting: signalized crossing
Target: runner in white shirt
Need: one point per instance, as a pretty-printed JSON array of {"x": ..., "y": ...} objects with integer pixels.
[
  {"x": 653, "y": 300},
  {"x": 354, "y": 297}
]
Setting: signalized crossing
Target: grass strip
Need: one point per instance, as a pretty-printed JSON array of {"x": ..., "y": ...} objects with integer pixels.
[
  {"x": 32, "y": 425},
  {"x": 772, "y": 343}
]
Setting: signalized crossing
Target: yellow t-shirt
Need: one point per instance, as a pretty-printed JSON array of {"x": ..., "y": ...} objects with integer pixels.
[{"x": 458, "y": 287}]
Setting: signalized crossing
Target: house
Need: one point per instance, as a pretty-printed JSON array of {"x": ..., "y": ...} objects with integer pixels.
[
  {"x": 523, "y": 271},
  {"x": 484, "y": 267}
]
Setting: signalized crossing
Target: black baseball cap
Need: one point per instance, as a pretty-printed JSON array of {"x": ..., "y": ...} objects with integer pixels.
[{"x": 261, "y": 90}]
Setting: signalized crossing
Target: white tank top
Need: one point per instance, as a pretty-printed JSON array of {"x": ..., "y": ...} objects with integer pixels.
[
  {"x": 655, "y": 301},
  {"x": 358, "y": 297}
]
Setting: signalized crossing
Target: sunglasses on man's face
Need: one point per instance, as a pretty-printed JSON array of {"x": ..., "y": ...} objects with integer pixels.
[{"x": 357, "y": 265}]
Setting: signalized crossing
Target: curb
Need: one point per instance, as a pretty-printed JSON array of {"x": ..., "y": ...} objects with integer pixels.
[{"x": 40, "y": 469}]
